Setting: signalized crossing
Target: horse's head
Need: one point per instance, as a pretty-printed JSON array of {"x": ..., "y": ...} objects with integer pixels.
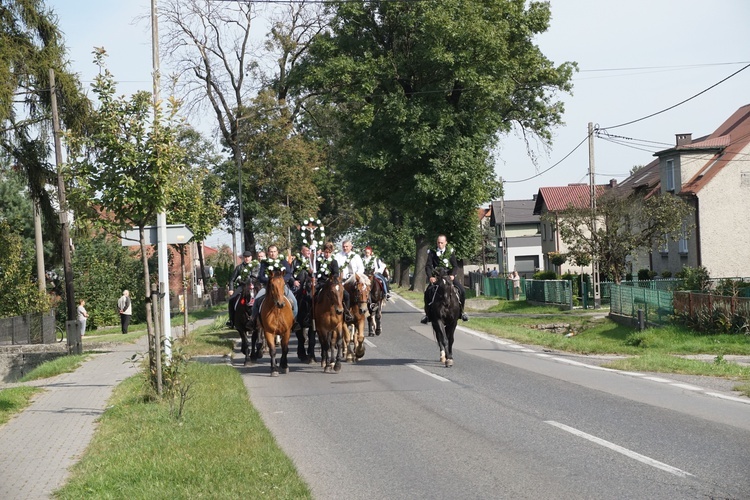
[
  {"x": 359, "y": 291},
  {"x": 305, "y": 280},
  {"x": 275, "y": 287}
]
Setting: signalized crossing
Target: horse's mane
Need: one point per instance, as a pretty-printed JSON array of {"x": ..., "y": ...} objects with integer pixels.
[{"x": 362, "y": 277}]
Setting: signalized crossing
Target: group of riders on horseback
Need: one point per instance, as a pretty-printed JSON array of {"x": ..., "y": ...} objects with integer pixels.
[
  {"x": 297, "y": 280},
  {"x": 299, "y": 269}
]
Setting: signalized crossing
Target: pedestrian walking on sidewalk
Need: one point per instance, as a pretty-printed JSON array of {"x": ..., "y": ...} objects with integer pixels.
[{"x": 126, "y": 310}]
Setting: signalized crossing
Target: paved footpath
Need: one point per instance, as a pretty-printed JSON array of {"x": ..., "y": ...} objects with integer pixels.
[{"x": 40, "y": 444}]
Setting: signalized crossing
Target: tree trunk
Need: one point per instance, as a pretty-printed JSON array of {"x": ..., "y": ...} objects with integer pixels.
[
  {"x": 403, "y": 275},
  {"x": 420, "y": 278},
  {"x": 203, "y": 272},
  {"x": 147, "y": 302}
]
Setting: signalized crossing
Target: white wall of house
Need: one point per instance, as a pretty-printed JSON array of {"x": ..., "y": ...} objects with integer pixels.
[{"x": 724, "y": 205}]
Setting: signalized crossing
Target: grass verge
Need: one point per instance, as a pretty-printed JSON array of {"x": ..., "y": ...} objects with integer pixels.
[
  {"x": 63, "y": 364},
  {"x": 214, "y": 339},
  {"x": 659, "y": 350},
  {"x": 14, "y": 400},
  {"x": 219, "y": 449}
]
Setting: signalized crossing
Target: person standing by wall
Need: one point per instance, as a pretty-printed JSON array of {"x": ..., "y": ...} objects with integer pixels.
[
  {"x": 82, "y": 315},
  {"x": 126, "y": 310}
]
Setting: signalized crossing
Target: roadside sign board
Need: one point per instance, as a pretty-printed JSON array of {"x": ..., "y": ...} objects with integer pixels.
[{"x": 177, "y": 234}]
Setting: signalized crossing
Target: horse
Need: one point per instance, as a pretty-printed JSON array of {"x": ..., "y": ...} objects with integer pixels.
[
  {"x": 276, "y": 319},
  {"x": 244, "y": 323},
  {"x": 306, "y": 333},
  {"x": 445, "y": 309},
  {"x": 377, "y": 301},
  {"x": 328, "y": 312},
  {"x": 358, "y": 287}
]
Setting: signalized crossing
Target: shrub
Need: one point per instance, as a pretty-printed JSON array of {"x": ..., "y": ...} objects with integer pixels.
[
  {"x": 666, "y": 274},
  {"x": 545, "y": 275},
  {"x": 694, "y": 278},
  {"x": 646, "y": 274}
]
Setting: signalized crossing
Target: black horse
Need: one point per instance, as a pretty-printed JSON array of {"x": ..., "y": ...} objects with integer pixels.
[
  {"x": 377, "y": 300},
  {"x": 445, "y": 309},
  {"x": 306, "y": 333},
  {"x": 245, "y": 323}
]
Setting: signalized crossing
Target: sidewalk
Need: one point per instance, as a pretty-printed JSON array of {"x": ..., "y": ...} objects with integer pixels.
[{"x": 41, "y": 443}]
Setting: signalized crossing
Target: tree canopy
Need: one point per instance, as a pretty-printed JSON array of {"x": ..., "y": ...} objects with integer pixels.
[
  {"x": 625, "y": 225},
  {"x": 424, "y": 90}
]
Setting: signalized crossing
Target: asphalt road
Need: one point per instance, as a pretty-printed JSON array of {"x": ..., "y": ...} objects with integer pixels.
[{"x": 505, "y": 422}]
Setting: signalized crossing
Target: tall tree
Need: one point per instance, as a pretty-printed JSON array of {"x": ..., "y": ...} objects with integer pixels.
[
  {"x": 126, "y": 170},
  {"x": 278, "y": 175},
  {"x": 31, "y": 44},
  {"x": 195, "y": 200},
  {"x": 209, "y": 45},
  {"x": 425, "y": 89},
  {"x": 625, "y": 224}
]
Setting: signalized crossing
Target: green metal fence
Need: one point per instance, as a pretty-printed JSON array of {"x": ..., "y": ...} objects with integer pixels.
[
  {"x": 550, "y": 292},
  {"x": 657, "y": 305}
]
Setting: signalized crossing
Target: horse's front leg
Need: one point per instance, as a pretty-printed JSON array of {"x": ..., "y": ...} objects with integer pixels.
[
  {"x": 378, "y": 319},
  {"x": 348, "y": 338},
  {"x": 283, "y": 364},
  {"x": 439, "y": 328},
  {"x": 339, "y": 350},
  {"x": 310, "y": 332},
  {"x": 301, "y": 341},
  {"x": 359, "y": 344},
  {"x": 271, "y": 341}
]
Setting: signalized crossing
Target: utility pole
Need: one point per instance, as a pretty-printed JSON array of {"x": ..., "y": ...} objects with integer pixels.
[
  {"x": 592, "y": 193},
  {"x": 71, "y": 325},
  {"x": 503, "y": 238}
]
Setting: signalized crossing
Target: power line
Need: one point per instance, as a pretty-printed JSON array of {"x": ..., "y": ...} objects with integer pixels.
[
  {"x": 553, "y": 166},
  {"x": 681, "y": 102}
]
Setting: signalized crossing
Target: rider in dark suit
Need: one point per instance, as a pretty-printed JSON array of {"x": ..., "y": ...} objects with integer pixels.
[
  {"x": 243, "y": 272},
  {"x": 445, "y": 257},
  {"x": 273, "y": 257},
  {"x": 327, "y": 267}
]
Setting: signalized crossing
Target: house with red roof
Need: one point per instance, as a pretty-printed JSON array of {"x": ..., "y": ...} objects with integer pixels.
[
  {"x": 518, "y": 234},
  {"x": 712, "y": 174},
  {"x": 555, "y": 200}
]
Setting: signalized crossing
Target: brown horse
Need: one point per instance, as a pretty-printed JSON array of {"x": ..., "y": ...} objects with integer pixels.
[
  {"x": 377, "y": 301},
  {"x": 277, "y": 318},
  {"x": 358, "y": 287},
  {"x": 328, "y": 314}
]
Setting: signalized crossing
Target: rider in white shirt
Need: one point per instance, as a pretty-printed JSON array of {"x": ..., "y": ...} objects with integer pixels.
[
  {"x": 349, "y": 261},
  {"x": 371, "y": 261}
]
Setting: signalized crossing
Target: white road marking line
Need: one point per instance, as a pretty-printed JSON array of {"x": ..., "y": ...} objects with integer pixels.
[
  {"x": 728, "y": 398},
  {"x": 369, "y": 344},
  {"x": 509, "y": 344},
  {"x": 688, "y": 387},
  {"x": 619, "y": 449},
  {"x": 422, "y": 370}
]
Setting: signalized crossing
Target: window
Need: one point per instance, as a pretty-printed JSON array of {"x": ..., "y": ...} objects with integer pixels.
[
  {"x": 664, "y": 245},
  {"x": 682, "y": 247},
  {"x": 670, "y": 175}
]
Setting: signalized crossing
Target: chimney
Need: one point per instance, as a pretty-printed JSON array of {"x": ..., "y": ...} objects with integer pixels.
[
  {"x": 533, "y": 197},
  {"x": 613, "y": 183},
  {"x": 683, "y": 139}
]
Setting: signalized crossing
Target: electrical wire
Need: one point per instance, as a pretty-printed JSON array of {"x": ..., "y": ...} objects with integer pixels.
[
  {"x": 681, "y": 102},
  {"x": 553, "y": 166}
]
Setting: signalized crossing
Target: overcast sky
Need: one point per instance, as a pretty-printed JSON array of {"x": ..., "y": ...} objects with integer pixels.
[{"x": 636, "y": 58}]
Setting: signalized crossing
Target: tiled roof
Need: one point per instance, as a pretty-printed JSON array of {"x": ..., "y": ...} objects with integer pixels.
[
  {"x": 734, "y": 133},
  {"x": 516, "y": 212},
  {"x": 559, "y": 198}
]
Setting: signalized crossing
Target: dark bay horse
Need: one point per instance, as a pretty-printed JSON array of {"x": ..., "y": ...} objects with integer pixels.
[
  {"x": 244, "y": 323},
  {"x": 445, "y": 309},
  {"x": 358, "y": 287},
  {"x": 329, "y": 323},
  {"x": 306, "y": 333},
  {"x": 377, "y": 301},
  {"x": 276, "y": 318}
]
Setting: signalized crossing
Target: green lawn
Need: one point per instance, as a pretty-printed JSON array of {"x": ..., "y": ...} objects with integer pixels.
[{"x": 218, "y": 449}]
